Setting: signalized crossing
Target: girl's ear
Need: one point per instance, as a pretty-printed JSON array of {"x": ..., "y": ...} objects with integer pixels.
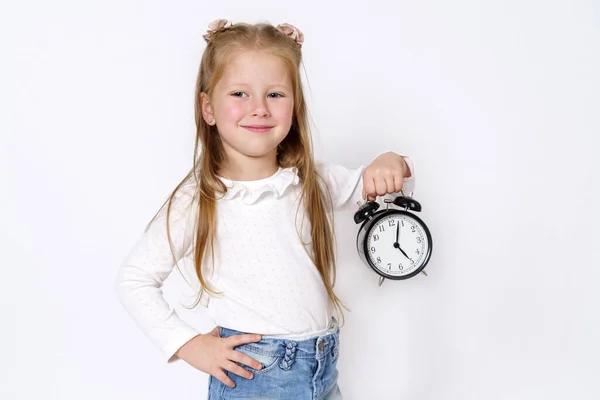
[{"x": 207, "y": 110}]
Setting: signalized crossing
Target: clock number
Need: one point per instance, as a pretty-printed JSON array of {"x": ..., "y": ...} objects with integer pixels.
[
  {"x": 378, "y": 260},
  {"x": 418, "y": 252},
  {"x": 381, "y": 228},
  {"x": 413, "y": 228},
  {"x": 419, "y": 239},
  {"x": 400, "y": 266},
  {"x": 392, "y": 222},
  {"x": 375, "y": 237},
  {"x": 389, "y": 266},
  {"x": 373, "y": 249}
]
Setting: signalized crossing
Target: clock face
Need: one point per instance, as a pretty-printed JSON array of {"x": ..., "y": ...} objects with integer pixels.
[{"x": 398, "y": 245}]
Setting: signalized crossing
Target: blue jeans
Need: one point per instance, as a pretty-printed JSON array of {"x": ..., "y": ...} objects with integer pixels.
[{"x": 298, "y": 370}]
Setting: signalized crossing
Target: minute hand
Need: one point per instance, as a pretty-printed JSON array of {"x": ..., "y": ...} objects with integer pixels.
[{"x": 397, "y": 242}]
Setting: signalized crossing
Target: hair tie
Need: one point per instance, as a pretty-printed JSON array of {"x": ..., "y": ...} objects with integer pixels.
[
  {"x": 293, "y": 32},
  {"x": 217, "y": 26}
]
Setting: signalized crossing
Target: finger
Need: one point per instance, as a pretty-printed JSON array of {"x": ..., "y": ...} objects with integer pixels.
[
  {"x": 389, "y": 181},
  {"x": 381, "y": 186},
  {"x": 369, "y": 191},
  {"x": 242, "y": 358},
  {"x": 220, "y": 375},
  {"x": 237, "y": 340},
  {"x": 398, "y": 183},
  {"x": 371, "y": 197},
  {"x": 236, "y": 369}
]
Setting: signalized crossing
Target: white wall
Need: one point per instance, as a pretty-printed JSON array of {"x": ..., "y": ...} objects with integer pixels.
[{"x": 496, "y": 102}]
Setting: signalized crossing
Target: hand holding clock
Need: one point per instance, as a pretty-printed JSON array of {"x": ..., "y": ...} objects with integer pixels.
[{"x": 385, "y": 175}]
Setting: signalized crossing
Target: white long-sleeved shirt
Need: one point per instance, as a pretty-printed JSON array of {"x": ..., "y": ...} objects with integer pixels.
[{"x": 261, "y": 264}]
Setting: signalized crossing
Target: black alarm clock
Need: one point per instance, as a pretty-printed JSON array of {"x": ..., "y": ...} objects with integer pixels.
[{"x": 394, "y": 242}]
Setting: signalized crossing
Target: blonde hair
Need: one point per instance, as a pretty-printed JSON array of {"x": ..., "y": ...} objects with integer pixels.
[{"x": 294, "y": 151}]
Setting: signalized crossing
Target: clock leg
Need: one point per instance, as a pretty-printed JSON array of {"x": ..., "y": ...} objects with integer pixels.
[
  {"x": 381, "y": 279},
  {"x": 424, "y": 273}
]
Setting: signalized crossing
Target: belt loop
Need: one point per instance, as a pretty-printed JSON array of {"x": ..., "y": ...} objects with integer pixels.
[
  {"x": 333, "y": 325},
  {"x": 290, "y": 355}
]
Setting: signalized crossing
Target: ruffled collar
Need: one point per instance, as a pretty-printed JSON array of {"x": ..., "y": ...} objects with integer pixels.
[{"x": 250, "y": 191}]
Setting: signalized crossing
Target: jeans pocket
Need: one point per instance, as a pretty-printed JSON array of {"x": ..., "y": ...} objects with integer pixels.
[
  {"x": 269, "y": 361},
  {"x": 335, "y": 353}
]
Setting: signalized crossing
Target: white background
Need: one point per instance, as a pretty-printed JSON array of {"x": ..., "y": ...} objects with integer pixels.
[{"x": 496, "y": 102}]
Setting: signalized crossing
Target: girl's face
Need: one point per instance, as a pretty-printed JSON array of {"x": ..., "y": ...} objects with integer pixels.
[{"x": 252, "y": 106}]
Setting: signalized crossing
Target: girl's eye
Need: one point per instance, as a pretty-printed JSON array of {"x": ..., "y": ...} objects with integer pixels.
[{"x": 270, "y": 95}]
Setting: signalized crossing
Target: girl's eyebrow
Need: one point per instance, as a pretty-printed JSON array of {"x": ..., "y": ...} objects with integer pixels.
[{"x": 278, "y": 86}]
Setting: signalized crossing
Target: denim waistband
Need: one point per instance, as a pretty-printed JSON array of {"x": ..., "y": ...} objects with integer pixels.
[{"x": 316, "y": 347}]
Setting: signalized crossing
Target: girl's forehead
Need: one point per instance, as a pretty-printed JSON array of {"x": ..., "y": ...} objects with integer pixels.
[
  {"x": 255, "y": 65},
  {"x": 251, "y": 59}
]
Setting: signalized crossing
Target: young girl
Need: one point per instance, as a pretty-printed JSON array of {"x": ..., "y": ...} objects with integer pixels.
[{"x": 255, "y": 215}]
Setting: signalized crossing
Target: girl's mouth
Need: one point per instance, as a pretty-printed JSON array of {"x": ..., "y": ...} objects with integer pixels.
[{"x": 257, "y": 128}]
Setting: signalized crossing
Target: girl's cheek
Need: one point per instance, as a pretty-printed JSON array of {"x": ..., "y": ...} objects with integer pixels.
[
  {"x": 286, "y": 112},
  {"x": 234, "y": 111}
]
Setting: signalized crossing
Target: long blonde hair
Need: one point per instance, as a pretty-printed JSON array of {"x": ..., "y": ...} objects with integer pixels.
[{"x": 294, "y": 151}]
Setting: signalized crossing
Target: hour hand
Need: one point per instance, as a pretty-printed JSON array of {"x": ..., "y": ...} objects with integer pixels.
[
  {"x": 397, "y": 231},
  {"x": 397, "y": 245},
  {"x": 405, "y": 255}
]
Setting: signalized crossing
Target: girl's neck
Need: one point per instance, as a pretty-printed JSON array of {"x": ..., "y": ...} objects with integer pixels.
[{"x": 250, "y": 171}]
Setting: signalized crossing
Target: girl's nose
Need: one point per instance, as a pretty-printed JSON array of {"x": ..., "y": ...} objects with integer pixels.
[{"x": 260, "y": 108}]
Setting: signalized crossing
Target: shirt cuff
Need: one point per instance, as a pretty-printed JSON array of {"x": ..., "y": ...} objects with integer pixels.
[{"x": 411, "y": 167}]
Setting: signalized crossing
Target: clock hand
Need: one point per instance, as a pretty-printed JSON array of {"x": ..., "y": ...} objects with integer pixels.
[
  {"x": 405, "y": 255},
  {"x": 397, "y": 231},
  {"x": 397, "y": 245}
]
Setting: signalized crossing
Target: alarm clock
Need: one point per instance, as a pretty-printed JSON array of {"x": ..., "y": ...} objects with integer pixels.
[{"x": 394, "y": 242}]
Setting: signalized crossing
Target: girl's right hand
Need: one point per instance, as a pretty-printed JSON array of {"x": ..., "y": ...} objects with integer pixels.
[{"x": 212, "y": 354}]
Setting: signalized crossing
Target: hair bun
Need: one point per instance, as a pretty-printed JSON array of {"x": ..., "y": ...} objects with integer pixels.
[
  {"x": 217, "y": 26},
  {"x": 293, "y": 32}
]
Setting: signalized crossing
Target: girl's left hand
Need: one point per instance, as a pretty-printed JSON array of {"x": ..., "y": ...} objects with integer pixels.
[{"x": 384, "y": 175}]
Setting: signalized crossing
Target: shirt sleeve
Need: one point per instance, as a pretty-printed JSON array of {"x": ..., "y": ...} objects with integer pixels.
[
  {"x": 145, "y": 268},
  {"x": 345, "y": 185}
]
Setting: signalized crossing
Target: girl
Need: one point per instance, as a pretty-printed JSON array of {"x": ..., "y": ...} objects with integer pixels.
[{"x": 255, "y": 215}]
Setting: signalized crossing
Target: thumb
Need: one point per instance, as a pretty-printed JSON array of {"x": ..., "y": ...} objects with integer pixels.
[{"x": 367, "y": 197}]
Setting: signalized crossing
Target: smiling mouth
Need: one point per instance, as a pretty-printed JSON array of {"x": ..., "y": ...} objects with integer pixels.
[{"x": 257, "y": 128}]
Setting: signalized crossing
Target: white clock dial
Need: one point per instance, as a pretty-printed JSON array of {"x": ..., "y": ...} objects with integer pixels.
[{"x": 397, "y": 245}]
